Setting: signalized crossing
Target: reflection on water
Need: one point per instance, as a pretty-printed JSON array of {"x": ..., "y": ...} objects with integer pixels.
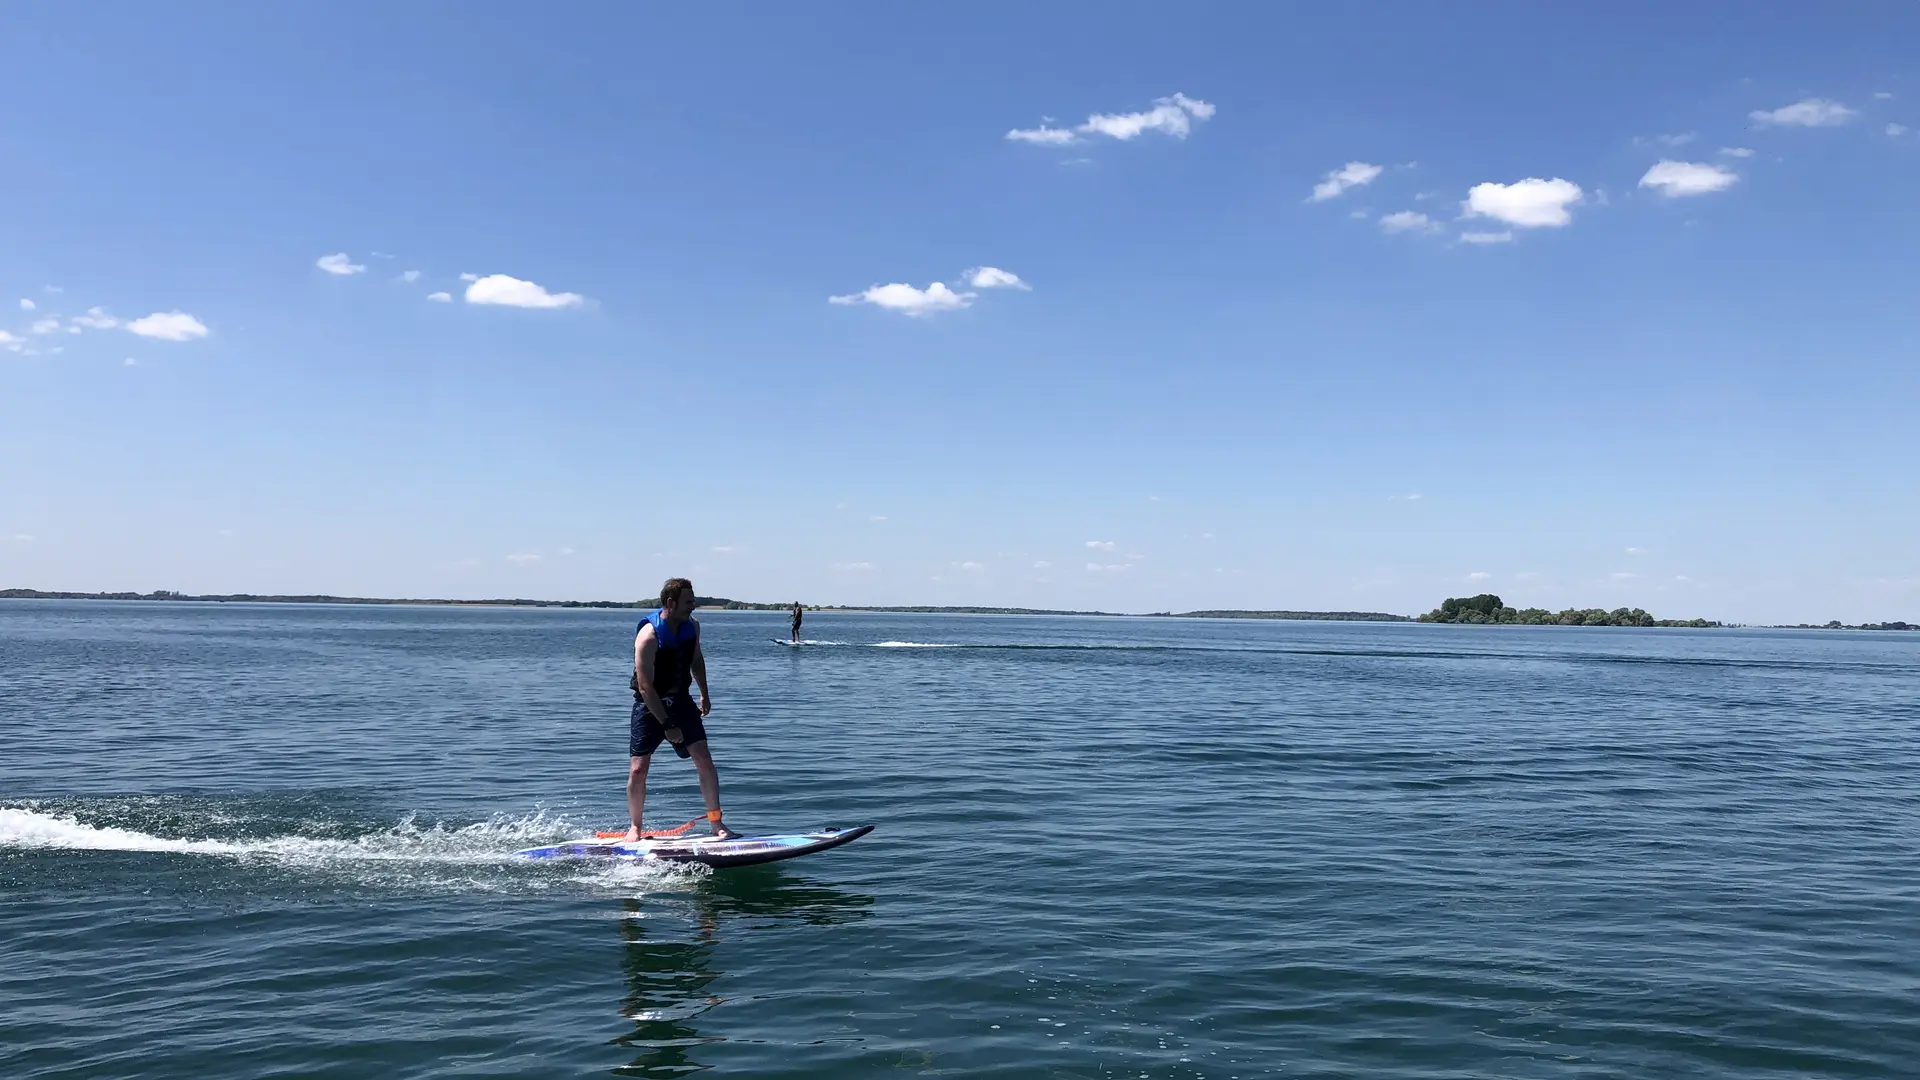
[{"x": 671, "y": 941}]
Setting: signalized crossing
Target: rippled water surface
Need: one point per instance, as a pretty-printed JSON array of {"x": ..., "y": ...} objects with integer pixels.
[{"x": 276, "y": 841}]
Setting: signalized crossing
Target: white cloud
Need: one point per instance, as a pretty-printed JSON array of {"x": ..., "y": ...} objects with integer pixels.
[
  {"x": 1351, "y": 175},
  {"x": 26, "y": 304},
  {"x": 1358, "y": 215},
  {"x": 169, "y": 326},
  {"x": 972, "y": 567},
  {"x": 46, "y": 326},
  {"x": 338, "y": 263},
  {"x": 1532, "y": 203},
  {"x": 992, "y": 277},
  {"x": 1636, "y": 551},
  {"x": 1043, "y": 135},
  {"x": 1681, "y": 139},
  {"x": 512, "y": 292},
  {"x": 1894, "y": 131},
  {"x": 846, "y": 567},
  {"x": 440, "y": 297},
  {"x": 22, "y": 538},
  {"x": 1109, "y": 568},
  {"x": 1624, "y": 575},
  {"x": 1813, "y": 112},
  {"x": 1677, "y": 179},
  {"x": 908, "y": 300},
  {"x": 877, "y": 517},
  {"x": 469, "y": 277},
  {"x": 1171, "y": 116},
  {"x": 97, "y": 319},
  {"x": 1882, "y": 95},
  {"x": 11, "y": 342},
  {"x": 1043, "y": 565},
  {"x": 1407, "y": 221},
  {"x": 523, "y": 558},
  {"x": 410, "y": 275},
  {"x": 1478, "y": 575},
  {"x": 1486, "y": 237},
  {"x": 1736, "y": 152},
  {"x": 130, "y": 362},
  {"x": 725, "y": 549},
  {"x": 1100, "y": 545}
]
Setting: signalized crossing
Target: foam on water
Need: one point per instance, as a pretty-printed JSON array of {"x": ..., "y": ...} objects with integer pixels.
[
  {"x": 28, "y": 828},
  {"x": 405, "y": 849},
  {"x": 913, "y": 645}
]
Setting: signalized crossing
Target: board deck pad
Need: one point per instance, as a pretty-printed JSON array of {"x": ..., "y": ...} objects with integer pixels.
[{"x": 739, "y": 851}]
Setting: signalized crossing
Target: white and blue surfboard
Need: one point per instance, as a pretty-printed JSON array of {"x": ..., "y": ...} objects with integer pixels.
[{"x": 739, "y": 851}]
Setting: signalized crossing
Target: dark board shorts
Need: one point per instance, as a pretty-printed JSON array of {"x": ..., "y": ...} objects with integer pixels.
[{"x": 644, "y": 733}]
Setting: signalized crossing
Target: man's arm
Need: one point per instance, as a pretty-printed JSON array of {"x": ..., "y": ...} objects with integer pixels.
[
  {"x": 644, "y": 646},
  {"x": 699, "y": 666}
]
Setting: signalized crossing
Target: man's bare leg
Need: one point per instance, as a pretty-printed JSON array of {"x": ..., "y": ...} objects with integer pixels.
[
  {"x": 636, "y": 794},
  {"x": 709, "y": 787}
]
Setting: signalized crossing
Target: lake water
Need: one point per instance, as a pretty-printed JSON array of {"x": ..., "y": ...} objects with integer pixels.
[{"x": 276, "y": 841}]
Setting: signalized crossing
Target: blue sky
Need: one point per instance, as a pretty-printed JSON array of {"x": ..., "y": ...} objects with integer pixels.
[{"x": 1329, "y": 309}]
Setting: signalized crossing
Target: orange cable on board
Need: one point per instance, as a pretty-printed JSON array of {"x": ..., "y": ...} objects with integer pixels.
[{"x": 654, "y": 835}]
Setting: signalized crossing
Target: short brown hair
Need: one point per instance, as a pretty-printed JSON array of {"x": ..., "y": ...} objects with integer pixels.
[{"x": 672, "y": 589}]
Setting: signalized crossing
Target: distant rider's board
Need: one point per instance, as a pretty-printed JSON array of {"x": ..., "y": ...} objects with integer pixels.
[
  {"x": 784, "y": 641},
  {"x": 740, "y": 851}
]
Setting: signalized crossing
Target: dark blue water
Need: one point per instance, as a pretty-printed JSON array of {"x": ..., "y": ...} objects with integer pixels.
[{"x": 276, "y": 841}]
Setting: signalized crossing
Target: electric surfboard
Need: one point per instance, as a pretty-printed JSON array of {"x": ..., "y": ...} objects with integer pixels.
[{"x": 719, "y": 854}]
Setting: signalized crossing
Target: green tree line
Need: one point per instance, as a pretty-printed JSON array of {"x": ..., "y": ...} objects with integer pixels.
[{"x": 1490, "y": 609}]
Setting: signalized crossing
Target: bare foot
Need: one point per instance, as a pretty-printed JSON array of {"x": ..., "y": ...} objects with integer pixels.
[{"x": 633, "y": 836}]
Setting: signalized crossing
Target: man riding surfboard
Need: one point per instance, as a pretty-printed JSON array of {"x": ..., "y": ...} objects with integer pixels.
[{"x": 666, "y": 662}]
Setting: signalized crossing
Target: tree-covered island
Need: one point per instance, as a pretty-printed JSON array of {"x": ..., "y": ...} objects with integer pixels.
[{"x": 1490, "y": 609}]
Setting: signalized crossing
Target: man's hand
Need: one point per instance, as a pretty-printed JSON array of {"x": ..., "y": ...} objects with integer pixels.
[{"x": 706, "y": 704}]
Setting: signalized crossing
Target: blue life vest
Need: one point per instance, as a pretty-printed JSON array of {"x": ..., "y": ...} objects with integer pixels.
[{"x": 673, "y": 656}]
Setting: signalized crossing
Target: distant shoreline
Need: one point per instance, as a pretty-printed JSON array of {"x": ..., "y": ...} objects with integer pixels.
[
  {"x": 707, "y": 604},
  {"x": 713, "y": 604}
]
